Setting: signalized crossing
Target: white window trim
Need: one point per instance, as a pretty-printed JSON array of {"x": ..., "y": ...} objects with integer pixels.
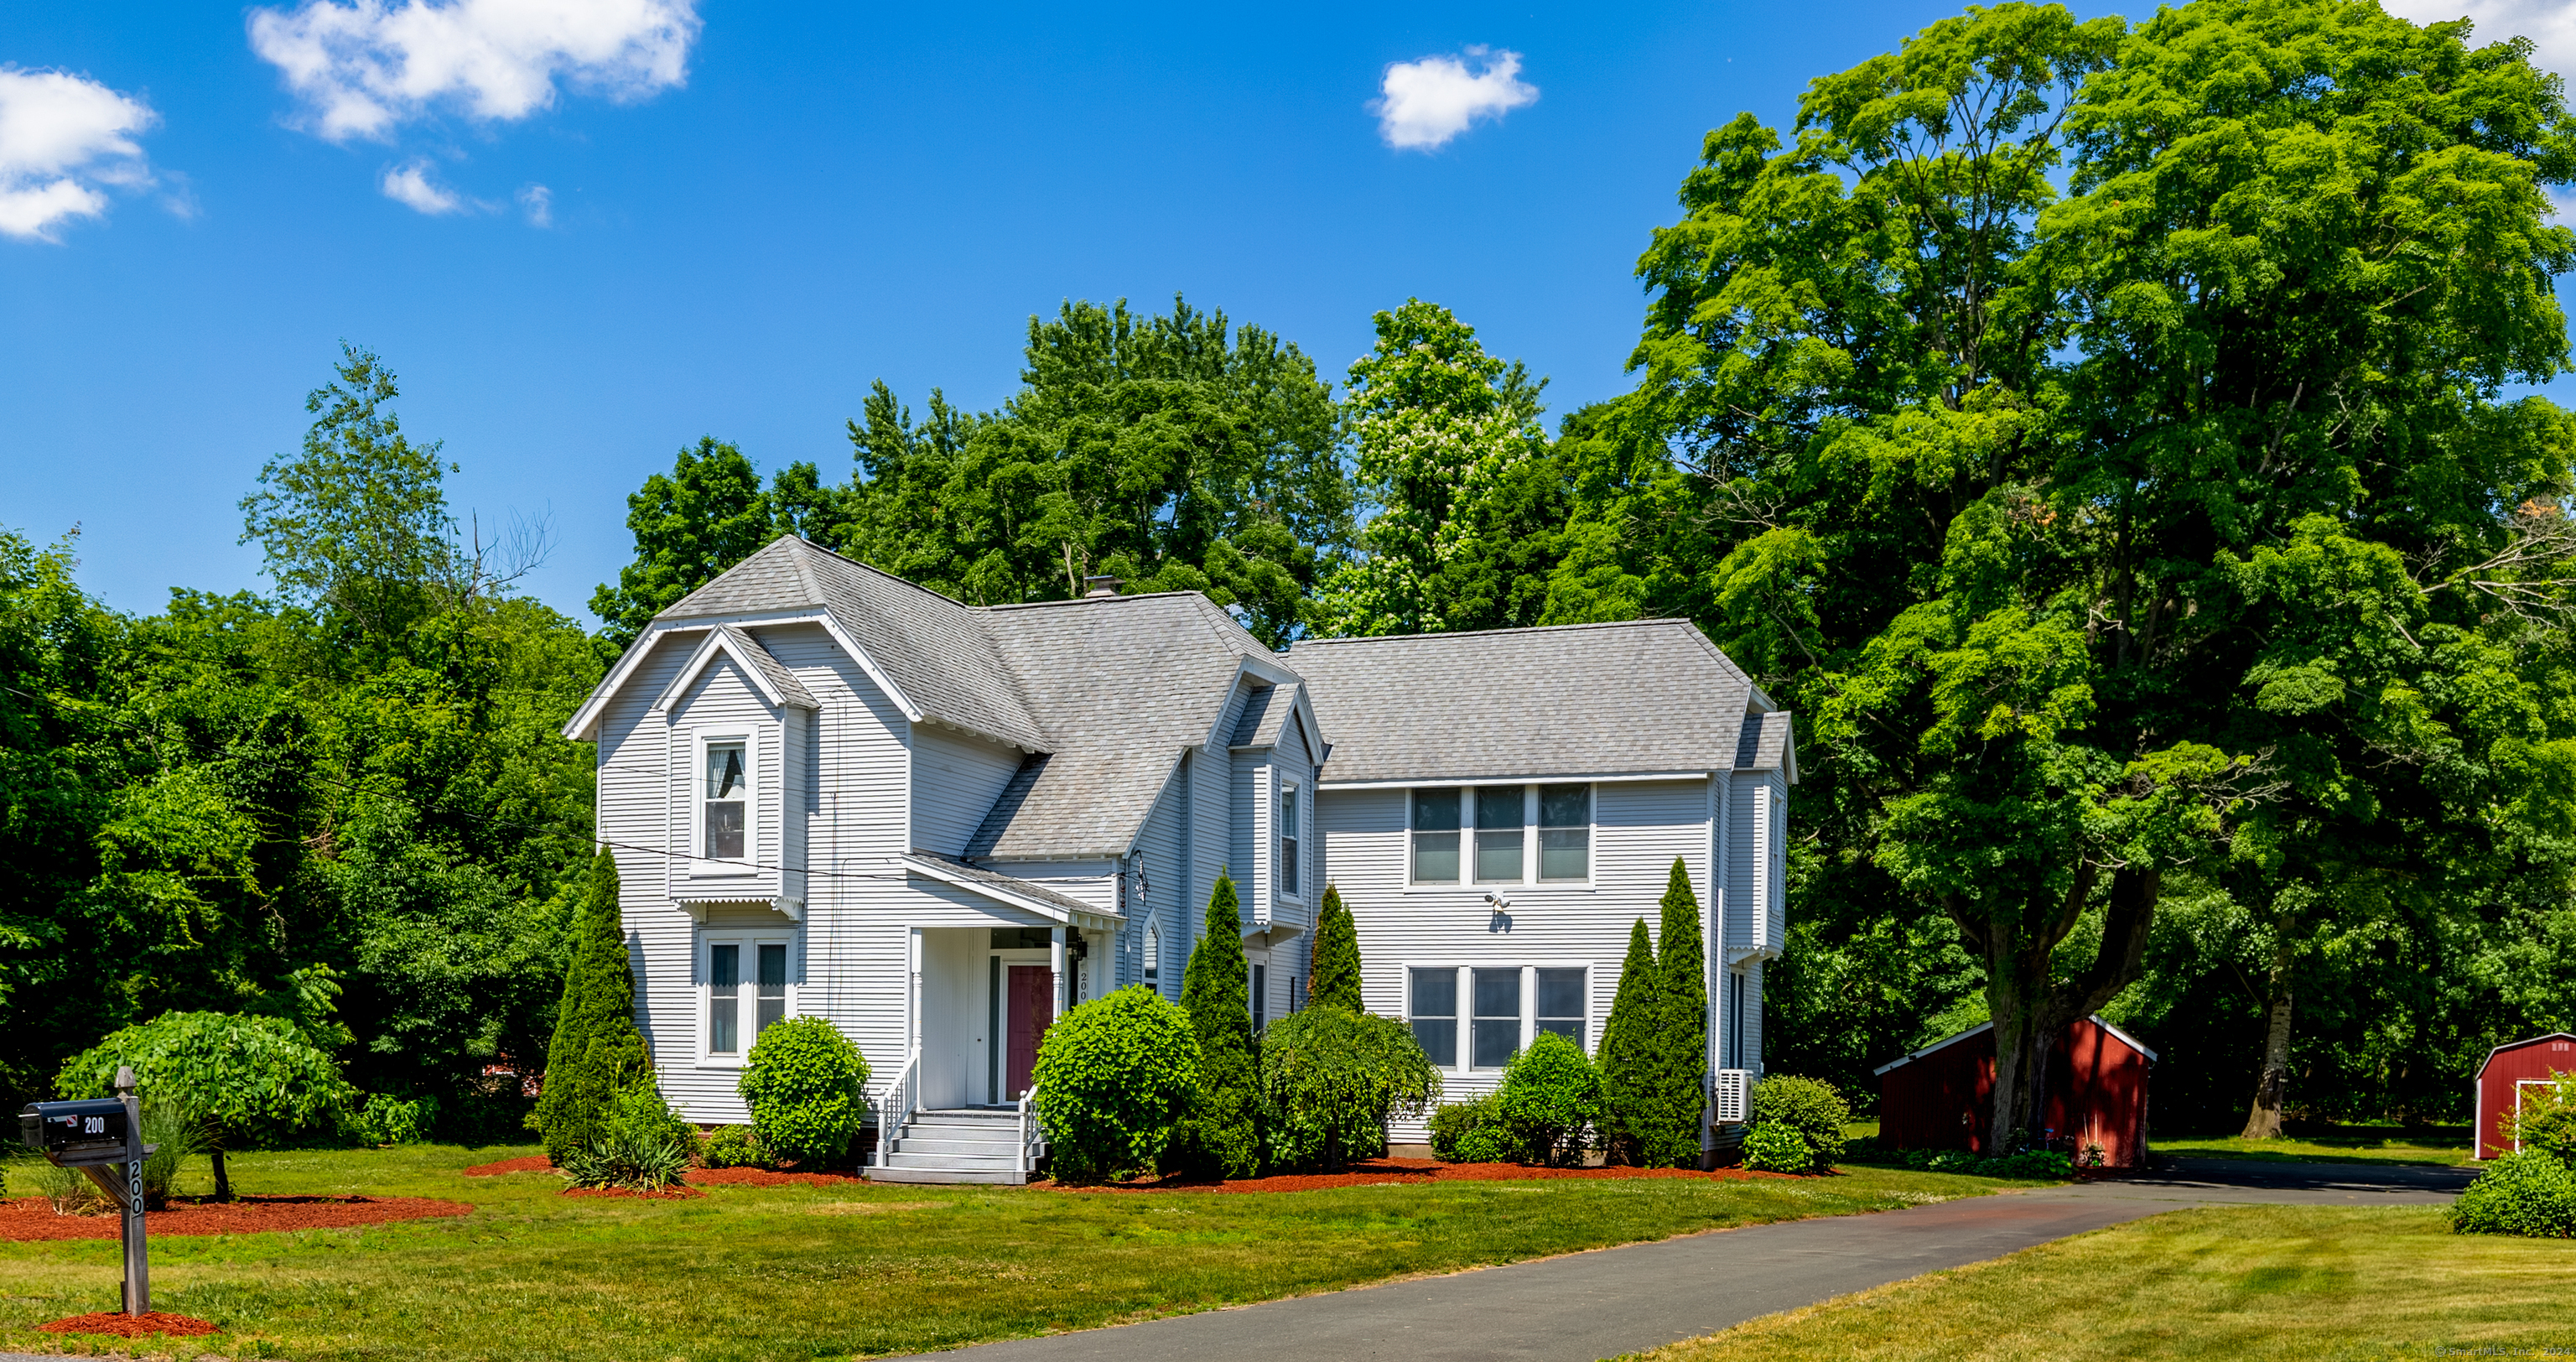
[
  {"x": 1529, "y": 882},
  {"x": 1293, "y": 794},
  {"x": 704, "y": 867},
  {"x": 1460, "y": 1064},
  {"x": 746, "y": 1000}
]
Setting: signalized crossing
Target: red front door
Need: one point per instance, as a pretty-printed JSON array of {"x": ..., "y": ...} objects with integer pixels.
[{"x": 1032, "y": 1010}]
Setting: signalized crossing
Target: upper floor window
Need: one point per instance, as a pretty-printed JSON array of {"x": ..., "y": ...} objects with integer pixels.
[
  {"x": 1564, "y": 833},
  {"x": 724, "y": 817},
  {"x": 1435, "y": 836},
  {"x": 1153, "y": 953},
  {"x": 1288, "y": 839},
  {"x": 1499, "y": 829}
]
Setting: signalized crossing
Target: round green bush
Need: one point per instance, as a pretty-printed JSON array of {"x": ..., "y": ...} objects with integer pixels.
[
  {"x": 1778, "y": 1148},
  {"x": 2528, "y": 1193},
  {"x": 1467, "y": 1132},
  {"x": 1550, "y": 1102},
  {"x": 1810, "y": 1106},
  {"x": 807, "y": 1088},
  {"x": 1113, "y": 1076},
  {"x": 1333, "y": 1078},
  {"x": 732, "y": 1147}
]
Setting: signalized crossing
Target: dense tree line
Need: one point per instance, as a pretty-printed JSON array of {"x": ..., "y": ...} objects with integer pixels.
[{"x": 2105, "y": 437}]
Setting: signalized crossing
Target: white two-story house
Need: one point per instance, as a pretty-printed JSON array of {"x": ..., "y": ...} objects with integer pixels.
[{"x": 833, "y": 793}]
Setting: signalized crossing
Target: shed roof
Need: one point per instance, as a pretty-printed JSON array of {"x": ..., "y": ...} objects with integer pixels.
[
  {"x": 1579, "y": 699},
  {"x": 1982, "y": 1028},
  {"x": 2519, "y": 1044}
]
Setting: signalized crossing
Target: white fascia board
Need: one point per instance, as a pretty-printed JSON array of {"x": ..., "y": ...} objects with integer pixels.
[
  {"x": 832, "y": 625},
  {"x": 2125, "y": 1038},
  {"x": 1552, "y": 778},
  {"x": 1977, "y": 1030},
  {"x": 718, "y": 641},
  {"x": 578, "y": 727},
  {"x": 1085, "y": 917}
]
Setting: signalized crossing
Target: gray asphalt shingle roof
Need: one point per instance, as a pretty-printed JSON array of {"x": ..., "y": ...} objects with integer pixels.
[
  {"x": 1578, "y": 699},
  {"x": 770, "y": 668}
]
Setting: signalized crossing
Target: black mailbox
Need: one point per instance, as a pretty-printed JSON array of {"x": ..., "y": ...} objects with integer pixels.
[{"x": 68, "y": 1128}]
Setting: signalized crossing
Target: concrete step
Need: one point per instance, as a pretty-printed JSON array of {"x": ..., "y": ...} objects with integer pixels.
[
  {"x": 917, "y": 1143},
  {"x": 903, "y": 1159},
  {"x": 1011, "y": 1176}
]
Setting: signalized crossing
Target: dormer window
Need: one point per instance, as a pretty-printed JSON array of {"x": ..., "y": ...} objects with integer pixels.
[
  {"x": 1288, "y": 840},
  {"x": 728, "y": 798}
]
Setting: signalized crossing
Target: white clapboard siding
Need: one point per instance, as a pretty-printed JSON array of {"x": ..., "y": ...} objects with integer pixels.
[
  {"x": 1639, "y": 829},
  {"x": 1162, "y": 851},
  {"x": 1248, "y": 833},
  {"x": 1743, "y": 845},
  {"x": 955, "y": 779}
]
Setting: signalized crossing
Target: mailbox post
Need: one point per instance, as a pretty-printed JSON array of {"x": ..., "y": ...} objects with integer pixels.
[{"x": 98, "y": 1136}]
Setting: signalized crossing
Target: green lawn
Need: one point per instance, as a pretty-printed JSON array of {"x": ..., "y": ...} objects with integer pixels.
[
  {"x": 2355, "y": 1148},
  {"x": 796, "y": 1272},
  {"x": 2297, "y": 1283}
]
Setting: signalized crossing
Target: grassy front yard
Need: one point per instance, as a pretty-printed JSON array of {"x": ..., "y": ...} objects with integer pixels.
[
  {"x": 2356, "y": 1148},
  {"x": 797, "y": 1272},
  {"x": 2286, "y": 1282}
]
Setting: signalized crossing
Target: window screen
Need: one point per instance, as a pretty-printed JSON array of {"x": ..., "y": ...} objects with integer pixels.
[
  {"x": 1435, "y": 836},
  {"x": 1498, "y": 1017},
  {"x": 1435, "y": 1014},
  {"x": 724, "y": 999},
  {"x": 1288, "y": 840},
  {"x": 1498, "y": 834},
  {"x": 770, "y": 1003},
  {"x": 1564, "y": 832},
  {"x": 1560, "y": 1003},
  {"x": 726, "y": 791}
]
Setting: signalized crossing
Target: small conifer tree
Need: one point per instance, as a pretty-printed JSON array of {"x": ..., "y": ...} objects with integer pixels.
[
  {"x": 1335, "y": 979},
  {"x": 596, "y": 1049},
  {"x": 1222, "y": 1135},
  {"x": 1628, "y": 1052},
  {"x": 1671, "y": 1133}
]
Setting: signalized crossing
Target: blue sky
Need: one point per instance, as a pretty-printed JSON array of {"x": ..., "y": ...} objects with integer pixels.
[{"x": 749, "y": 212}]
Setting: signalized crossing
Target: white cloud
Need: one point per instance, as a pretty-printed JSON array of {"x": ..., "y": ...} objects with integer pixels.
[
  {"x": 409, "y": 185},
  {"x": 2550, "y": 24},
  {"x": 1422, "y": 104},
  {"x": 540, "y": 203},
  {"x": 364, "y": 67},
  {"x": 62, "y": 138}
]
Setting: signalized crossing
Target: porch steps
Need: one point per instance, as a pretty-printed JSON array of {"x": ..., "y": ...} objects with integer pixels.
[{"x": 962, "y": 1144}]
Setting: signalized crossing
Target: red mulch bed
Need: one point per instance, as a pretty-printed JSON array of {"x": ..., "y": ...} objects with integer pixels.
[
  {"x": 534, "y": 1163},
  {"x": 763, "y": 1177},
  {"x": 132, "y": 1326},
  {"x": 1384, "y": 1172},
  {"x": 32, "y": 1218}
]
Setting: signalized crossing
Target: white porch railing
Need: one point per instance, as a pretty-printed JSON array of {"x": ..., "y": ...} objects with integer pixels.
[
  {"x": 1032, "y": 1139},
  {"x": 896, "y": 1102},
  {"x": 1730, "y": 1099}
]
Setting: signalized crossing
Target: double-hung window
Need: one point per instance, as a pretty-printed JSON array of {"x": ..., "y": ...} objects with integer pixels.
[
  {"x": 1564, "y": 834},
  {"x": 1435, "y": 1014},
  {"x": 724, "y": 800},
  {"x": 1497, "y": 1033},
  {"x": 1435, "y": 836},
  {"x": 1560, "y": 1002},
  {"x": 1499, "y": 832},
  {"x": 746, "y": 993},
  {"x": 1288, "y": 840}
]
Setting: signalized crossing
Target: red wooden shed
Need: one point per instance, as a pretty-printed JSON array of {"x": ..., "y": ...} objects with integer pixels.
[
  {"x": 2510, "y": 1068},
  {"x": 1942, "y": 1096}
]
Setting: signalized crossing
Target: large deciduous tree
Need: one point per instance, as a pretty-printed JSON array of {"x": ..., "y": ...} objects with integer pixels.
[{"x": 2101, "y": 435}]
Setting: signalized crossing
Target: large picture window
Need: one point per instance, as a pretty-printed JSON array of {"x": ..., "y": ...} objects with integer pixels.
[
  {"x": 1497, "y": 1034},
  {"x": 724, "y": 814},
  {"x": 1435, "y": 1014},
  {"x": 1499, "y": 830},
  {"x": 1435, "y": 836},
  {"x": 1564, "y": 833},
  {"x": 746, "y": 992}
]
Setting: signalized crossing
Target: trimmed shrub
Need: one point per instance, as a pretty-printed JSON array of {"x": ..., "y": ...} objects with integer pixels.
[
  {"x": 732, "y": 1147},
  {"x": 1332, "y": 1078},
  {"x": 2030, "y": 1165},
  {"x": 247, "y": 1080},
  {"x": 1812, "y": 1107},
  {"x": 1550, "y": 1103},
  {"x": 2546, "y": 1119},
  {"x": 1114, "y": 1076},
  {"x": 1627, "y": 1053},
  {"x": 1470, "y": 1132},
  {"x": 1336, "y": 978},
  {"x": 1221, "y": 1136},
  {"x": 1777, "y": 1148},
  {"x": 1668, "y": 1136},
  {"x": 596, "y": 1052},
  {"x": 2528, "y": 1193},
  {"x": 807, "y": 1087},
  {"x": 640, "y": 1144}
]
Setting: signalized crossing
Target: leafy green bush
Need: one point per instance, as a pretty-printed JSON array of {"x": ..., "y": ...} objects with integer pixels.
[
  {"x": 1550, "y": 1102},
  {"x": 387, "y": 1119},
  {"x": 1778, "y": 1148},
  {"x": 733, "y": 1147},
  {"x": 1332, "y": 1078},
  {"x": 2529, "y": 1193},
  {"x": 2546, "y": 1119},
  {"x": 640, "y": 1144},
  {"x": 1471, "y": 1131},
  {"x": 807, "y": 1086},
  {"x": 1114, "y": 1076},
  {"x": 2030, "y": 1165},
  {"x": 1812, "y": 1107},
  {"x": 248, "y": 1080}
]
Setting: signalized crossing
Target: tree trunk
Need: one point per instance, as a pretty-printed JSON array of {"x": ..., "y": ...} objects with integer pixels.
[
  {"x": 2264, "y": 1121},
  {"x": 2029, "y": 1008},
  {"x": 223, "y": 1184}
]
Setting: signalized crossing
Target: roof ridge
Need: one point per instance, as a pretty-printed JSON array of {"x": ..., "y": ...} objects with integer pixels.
[
  {"x": 1517, "y": 629},
  {"x": 1087, "y": 600},
  {"x": 873, "y": 570}
]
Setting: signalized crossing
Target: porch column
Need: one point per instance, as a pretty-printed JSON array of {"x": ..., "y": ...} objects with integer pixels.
[
  {"x": 912, "y": 999},
  {"x": 1055, "y": 962}
]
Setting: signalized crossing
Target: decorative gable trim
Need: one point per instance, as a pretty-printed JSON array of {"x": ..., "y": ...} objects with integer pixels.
[{"x": 775, "y": 683}]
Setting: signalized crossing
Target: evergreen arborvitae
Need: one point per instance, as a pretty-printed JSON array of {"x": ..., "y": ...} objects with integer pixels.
[
  {"x": 1222, "y": 1135},
  {"x": 1680, "y": 1044},
  {"x": 1336, "y": 974},
  {"x": 1628, "y": 1052},
  {"x": 596, "y": 1047}
]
